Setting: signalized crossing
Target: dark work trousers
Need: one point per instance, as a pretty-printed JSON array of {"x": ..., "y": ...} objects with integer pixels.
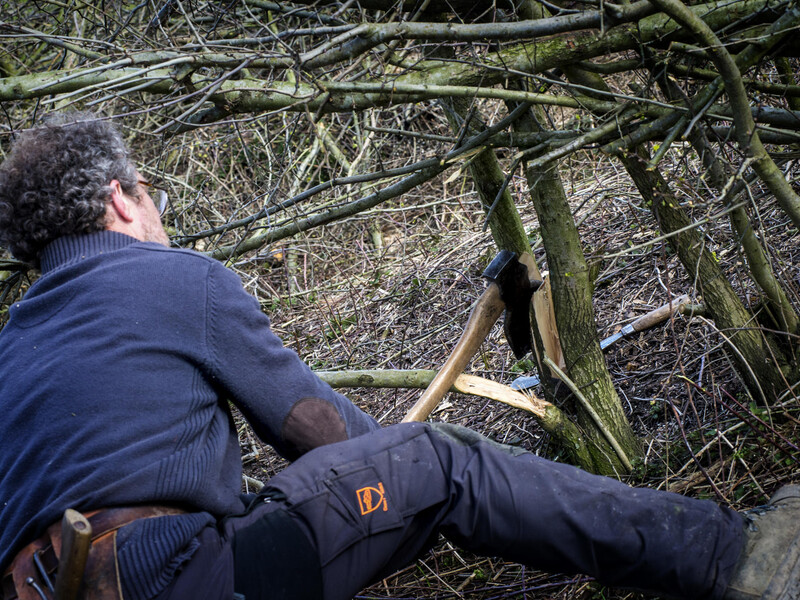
[{"x": 369, "y": 506}]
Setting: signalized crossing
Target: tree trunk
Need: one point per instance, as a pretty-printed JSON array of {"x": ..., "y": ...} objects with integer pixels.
[
  {"x": 760, "y": 362},
  {"x": 591, "y": 450},
  {"x": 571, "y": 285}
]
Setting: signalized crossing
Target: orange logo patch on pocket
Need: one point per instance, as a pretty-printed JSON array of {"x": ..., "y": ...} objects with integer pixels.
[{"x": 371, "y": 498}]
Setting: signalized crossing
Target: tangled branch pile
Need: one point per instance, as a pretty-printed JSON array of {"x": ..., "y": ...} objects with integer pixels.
[{"x": 370, "y": 149}]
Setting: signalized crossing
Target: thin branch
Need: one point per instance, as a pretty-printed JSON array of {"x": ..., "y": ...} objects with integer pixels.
[
  {"x": 746, "y": 133},
  {"x": 598, "y": 421}
]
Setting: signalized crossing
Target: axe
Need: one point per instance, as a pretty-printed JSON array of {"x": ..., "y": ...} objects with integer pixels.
[
  {"x": 654, "y": 317},
  {"x": 510, "y": 288}
]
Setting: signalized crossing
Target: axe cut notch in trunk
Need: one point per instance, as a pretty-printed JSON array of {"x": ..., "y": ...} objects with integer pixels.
[{"x": 510, "y": 288}]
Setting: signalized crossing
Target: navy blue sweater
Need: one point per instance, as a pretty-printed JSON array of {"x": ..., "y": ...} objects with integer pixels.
[{"x": 114, "y": 375}]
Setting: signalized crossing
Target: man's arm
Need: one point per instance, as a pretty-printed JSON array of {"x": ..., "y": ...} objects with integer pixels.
[{"x": 286, "y": 404}]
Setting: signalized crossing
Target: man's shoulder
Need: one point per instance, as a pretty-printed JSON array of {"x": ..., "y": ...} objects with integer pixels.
[
  {"x": 175, "y": 258},
  {"x": 173, "y": 253},
  {"x": 182, "y": 263}
]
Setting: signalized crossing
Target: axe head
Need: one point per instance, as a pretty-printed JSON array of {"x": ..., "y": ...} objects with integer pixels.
[{"x": 516, "y": 289}]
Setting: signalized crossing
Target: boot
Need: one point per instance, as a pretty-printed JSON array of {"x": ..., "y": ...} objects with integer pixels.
[{"x": 769, "y": 567}]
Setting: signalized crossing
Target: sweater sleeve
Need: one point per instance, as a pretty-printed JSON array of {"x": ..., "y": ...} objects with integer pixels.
[{"x": 287, "y": 405}]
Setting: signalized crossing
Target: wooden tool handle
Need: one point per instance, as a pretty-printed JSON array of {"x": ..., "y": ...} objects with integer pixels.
[
  {"x": 660, "y": 314},
  {"x": 485, "y": 314},
  {"x": 76, "y": 539}
]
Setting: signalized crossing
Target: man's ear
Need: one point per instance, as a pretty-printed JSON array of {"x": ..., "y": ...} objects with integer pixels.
[{"x": 120, "y": 203}]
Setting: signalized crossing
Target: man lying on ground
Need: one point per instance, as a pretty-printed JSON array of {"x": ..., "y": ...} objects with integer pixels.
[{"x": 115, "y": 375}]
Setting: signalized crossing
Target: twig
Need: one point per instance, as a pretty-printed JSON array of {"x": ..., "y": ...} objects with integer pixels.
[{"x": 591, "y": 411}]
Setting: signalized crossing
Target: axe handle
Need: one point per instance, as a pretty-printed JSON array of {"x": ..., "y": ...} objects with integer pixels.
[
  {"x": 660, "y": 314},
  {"x": 487, "y": 310},
  {"x": 76, "y": 538}
]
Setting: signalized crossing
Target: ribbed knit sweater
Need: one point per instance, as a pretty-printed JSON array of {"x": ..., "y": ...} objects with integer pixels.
[{"x": 115, "y": 371}]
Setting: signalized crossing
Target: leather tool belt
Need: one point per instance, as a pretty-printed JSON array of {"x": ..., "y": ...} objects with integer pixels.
[{"x": 32, "y": 572}]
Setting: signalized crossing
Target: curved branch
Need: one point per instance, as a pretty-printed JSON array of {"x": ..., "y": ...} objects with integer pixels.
[
  {"x": 552, "y": 419},
  {"x": 591, "y": 411},
  {"x": 746, "y": 133},
  {"x": 421, "y": 378}
]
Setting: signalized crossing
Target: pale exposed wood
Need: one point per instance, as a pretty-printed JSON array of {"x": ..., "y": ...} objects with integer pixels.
[
  {"x": 420, "y": 378},
  {"x": 546, "y": 322}
]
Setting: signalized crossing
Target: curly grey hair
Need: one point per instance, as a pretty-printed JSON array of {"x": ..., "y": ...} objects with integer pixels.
[{"x": 55, "y": 181}]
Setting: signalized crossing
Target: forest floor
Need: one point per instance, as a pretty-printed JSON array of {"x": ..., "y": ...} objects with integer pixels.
[{"x": 391, "y": 289}]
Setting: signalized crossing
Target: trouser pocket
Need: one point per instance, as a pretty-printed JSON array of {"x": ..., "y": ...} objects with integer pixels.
[{"x": 353, "y": 503}]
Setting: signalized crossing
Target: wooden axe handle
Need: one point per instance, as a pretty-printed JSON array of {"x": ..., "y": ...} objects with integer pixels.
[
  {"x": 76, "y": 539},
  {"x": 487, "y": 310},
  {"x": 660, "y": 314}
]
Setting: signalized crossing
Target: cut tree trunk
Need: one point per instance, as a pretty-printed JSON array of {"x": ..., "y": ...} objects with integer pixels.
[
  {"x": 591, "y": 450},
  {"x": 571, "y": 286}
]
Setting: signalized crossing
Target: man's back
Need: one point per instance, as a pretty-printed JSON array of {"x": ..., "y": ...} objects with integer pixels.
[{"x": 107, "y": 397}]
